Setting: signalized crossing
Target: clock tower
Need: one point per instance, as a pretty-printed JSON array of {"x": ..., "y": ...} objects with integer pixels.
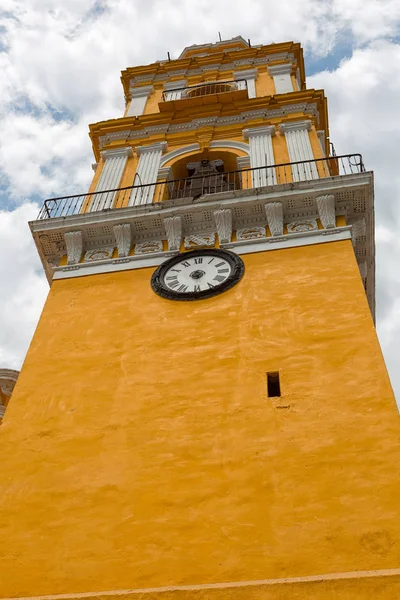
[{"x": 204, "y": 411}]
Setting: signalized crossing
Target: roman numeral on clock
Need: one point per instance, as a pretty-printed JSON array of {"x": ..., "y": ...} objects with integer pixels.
[
  {"x": 223, "y": 270},
  {"x": 185, "y": 263},
  {"x": 219, "y": 278},
  {"x": 197, "y": 288},
  {"x": 173, "y": 284},
  {"x": 221, "y": 264},
  {"x": 198, "y": 261},
  {"x": 182, "y": 288}
]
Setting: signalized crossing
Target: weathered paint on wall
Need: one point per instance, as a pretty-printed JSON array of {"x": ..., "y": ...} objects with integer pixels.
[{"x": 145, "y": 451}]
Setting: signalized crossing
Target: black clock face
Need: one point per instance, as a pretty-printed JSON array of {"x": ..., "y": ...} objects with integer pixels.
[{"x": 197, "y": 274}]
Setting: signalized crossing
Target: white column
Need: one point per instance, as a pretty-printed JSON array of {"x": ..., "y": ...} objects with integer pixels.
[
  {"x": 261, "y": 154},
  {"x": 146, "y": 172},
  {"x": 299, "y": 147},
  {"x": 139, "y": 98},
  {"x": 249, "y": 76},
  {"x": 173, "y": 89},
  {"x": 282, "y": 78},
  {"x": 110, "y": 178}
]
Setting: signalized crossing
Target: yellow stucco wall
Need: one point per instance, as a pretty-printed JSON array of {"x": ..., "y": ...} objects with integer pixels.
[{"x": 145, "y": 451}]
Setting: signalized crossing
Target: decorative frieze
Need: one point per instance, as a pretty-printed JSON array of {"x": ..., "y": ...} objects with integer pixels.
[
  {"x": 173, "y": 228},
  {"x": 149, "y": 247},
  {"x": 261, "y": 154},
  {"x": 300, "y": 150},
  {"x": 74, "y": 245},
  {"x": 274, "y": 212},
  {"x": 223, "y": 221},
  {"x": 199, "y": 241},
  {"x": 326, "y": 210},
  {"x": 302, "y": 225},
  {"x": 98, "y": 254},
  {"x": 251, "y": 233},
  {"x": 123, "y": 238}
]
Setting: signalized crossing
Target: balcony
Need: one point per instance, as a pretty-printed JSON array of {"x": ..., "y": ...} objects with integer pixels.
[
  {"x": 250, "y": 210},
  {"x": 192, "y": 188},
  {"x": 204, "y": 89}
]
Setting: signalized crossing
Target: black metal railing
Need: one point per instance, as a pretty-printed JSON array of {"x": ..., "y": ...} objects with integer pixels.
[
  {"x": 196, "y": 186},
  {"x": 204, "y": 89}
]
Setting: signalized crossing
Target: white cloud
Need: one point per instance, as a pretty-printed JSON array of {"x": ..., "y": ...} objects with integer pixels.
[
  {"x": 24, "y": 287},
  {"x": 61, "y": 72}
]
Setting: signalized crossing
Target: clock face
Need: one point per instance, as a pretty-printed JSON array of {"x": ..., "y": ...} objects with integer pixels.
[{"x": 197, "y": 274}]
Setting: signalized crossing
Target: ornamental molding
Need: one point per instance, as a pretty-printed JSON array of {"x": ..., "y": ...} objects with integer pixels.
[
  {"x": 326, "y": 210},
  {"x": 199, "y": 241},
  {"x": 99, "y": 254},
  {"x": 164, "y": 174},
  {"x": 267, "y": 130},
  {"x": 264, "y": 60},
  {"x": 303, "y": 225},
  {"x": 116, "y": 153},
  {"x": 251, "y": 233},
  {"x": 274, "y": 212},
  {"x": 173, "y": 229},
  {"x": 282, "y": 69},
  {"x": 74, "y": 245},
  {"x": 295, "y": 126},
  {"x": 175, "y": 85},
  {"x": 242, "y": 118},
  {"x": 243, "y": 162},
  {"x": 149, "y": 247},
  {"x": 240, "y": 247},
  {"x": 231, "y": 144},
  {"x": 156, "y": 147},
  {"x": 245, "y": 74},
  {"x": 179, "y": 152},
  {"x": 123, "y": 238},
  {"x": 223, "y": 221},
  {"x": 138, "y": 92},
  {"x": 353, "y": 196}
]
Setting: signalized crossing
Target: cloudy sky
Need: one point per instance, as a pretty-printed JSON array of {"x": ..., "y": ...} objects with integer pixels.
[{"x": 60, "y": 64}]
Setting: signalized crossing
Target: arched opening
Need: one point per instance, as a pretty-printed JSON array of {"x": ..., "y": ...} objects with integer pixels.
[{"x": 209, "y": 172}]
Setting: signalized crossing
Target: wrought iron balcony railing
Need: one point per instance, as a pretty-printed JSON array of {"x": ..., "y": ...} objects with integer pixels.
[
  {"x": 196, "y": 186},
  {"x": 204, "y": 89}
]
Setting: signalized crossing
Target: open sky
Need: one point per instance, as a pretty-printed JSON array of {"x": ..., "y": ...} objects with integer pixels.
[{"x": 60, "y": 64}]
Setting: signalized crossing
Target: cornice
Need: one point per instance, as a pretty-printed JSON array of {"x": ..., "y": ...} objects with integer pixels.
[
  {"x": 222, "y": 61},
  {"x": 302, "y": 203},
  {"x": 240, "y": 118}
]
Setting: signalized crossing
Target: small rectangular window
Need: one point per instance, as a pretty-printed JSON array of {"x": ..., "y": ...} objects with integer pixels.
[{"x": 273, "y": 383}]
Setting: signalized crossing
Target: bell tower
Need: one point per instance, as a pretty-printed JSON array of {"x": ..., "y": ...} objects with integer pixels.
[{"x": 204, "y": 411}]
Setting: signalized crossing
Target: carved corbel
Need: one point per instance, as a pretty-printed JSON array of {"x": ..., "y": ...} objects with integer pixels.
[
  {"x": 223, "y": 221},
  {"x": 274, "y": 212},
  {"x": 358, "y": 230},
  {"x": 173, "y": 228},
  {"x": 123, "y": 237},
  {"x": 74, "y": 245},
  {"x": 326, "y": 210}
]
